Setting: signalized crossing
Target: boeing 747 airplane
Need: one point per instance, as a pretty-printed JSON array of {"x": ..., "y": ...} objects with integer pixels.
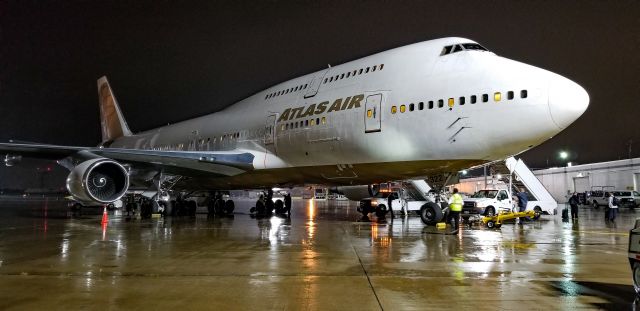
[{"x": 427, "y": 109}]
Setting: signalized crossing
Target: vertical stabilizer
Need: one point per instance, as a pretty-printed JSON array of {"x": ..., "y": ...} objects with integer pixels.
[{"x": 111, "y": 119}]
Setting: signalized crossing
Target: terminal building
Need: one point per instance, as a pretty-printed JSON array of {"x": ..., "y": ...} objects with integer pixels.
[{"x": 559, "y": 181}]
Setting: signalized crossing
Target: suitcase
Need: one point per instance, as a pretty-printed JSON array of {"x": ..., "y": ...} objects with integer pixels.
[{"x": 565, "y": 213}]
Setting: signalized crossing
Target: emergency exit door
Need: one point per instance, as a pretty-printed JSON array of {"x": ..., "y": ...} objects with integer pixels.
[{"x": 373, "y": 113}]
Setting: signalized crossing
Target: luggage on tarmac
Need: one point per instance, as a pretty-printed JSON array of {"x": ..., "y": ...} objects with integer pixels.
[{"x": 565, "y": 213}]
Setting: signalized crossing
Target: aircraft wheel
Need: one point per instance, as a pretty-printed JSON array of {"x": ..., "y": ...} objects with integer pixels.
[
  {"x": 279, "y": 206},
  {"x": 491, "y": 224},
  {"x": 430, "y": 213},
  {"x": 595, "y": 204},
  {"x": 269, "y": 207},
  {"x": 229, "y": 206},
  {"x": 364, "y": 212},
  {"x": 381, "y": 211}
]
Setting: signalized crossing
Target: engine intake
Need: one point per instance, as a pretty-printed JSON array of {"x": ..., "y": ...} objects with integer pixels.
[{"x": 99, "y": 180}]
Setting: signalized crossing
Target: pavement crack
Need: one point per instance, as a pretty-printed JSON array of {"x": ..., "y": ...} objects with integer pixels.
[{"x": 365, "y": 273}]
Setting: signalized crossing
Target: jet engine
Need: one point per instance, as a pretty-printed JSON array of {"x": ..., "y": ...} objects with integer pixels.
[
  {"x": 357, "y": 193},
  {"x": 98, "y": 180}
]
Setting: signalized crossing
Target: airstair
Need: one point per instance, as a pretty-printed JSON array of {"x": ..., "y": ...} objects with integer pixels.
[
  {"x": 519, "y": 176},
  {"x": 417, "y": 189}
]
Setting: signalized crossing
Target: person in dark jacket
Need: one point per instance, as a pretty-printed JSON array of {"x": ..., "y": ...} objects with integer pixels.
[
  {"x": 573, "y": 202},
  {"x": 522, "y": 200},
  {"x": 287, "y": 204},
  {"x": 522, "y": 203}
]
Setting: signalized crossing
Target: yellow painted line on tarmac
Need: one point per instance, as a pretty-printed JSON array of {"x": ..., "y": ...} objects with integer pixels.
[{"x": 604, "y": 232}]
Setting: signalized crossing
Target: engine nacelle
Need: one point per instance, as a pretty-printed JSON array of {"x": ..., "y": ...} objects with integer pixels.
[
  {"x": 357, "y": 193},
  {"x": 98, "y": 180}
]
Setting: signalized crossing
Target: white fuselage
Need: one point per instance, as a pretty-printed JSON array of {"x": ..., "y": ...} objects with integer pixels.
[{"x": 345, "y": 131}]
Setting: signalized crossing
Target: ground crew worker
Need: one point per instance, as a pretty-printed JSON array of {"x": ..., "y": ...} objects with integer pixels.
[
  {"x": 455, "y": 207},
  {"x": 287, "y": 204}
]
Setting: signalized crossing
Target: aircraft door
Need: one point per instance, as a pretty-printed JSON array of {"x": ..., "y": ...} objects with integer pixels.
[
  {"x": 373, "y": 113},
  {"x": 270, "y": 131},
  {"x": 314, "y": 86}
]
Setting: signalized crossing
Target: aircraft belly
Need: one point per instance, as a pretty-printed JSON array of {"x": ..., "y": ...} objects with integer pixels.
[{"x": 367, "y": 173}]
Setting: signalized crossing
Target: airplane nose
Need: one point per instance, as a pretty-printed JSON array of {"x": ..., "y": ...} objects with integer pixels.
[{"x": 567, "y": 101}]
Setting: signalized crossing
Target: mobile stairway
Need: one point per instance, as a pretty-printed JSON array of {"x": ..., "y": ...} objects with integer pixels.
[{"x": 517, "y": 175}]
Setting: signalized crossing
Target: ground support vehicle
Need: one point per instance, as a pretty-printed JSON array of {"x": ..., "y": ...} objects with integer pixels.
[
  {"x": 429, "y": 211},
  {"x": 596, "y": 197},
  {"x": 497, "y": 220},
  {"x": 626, "y": 198},
  {"x": 490, "y": 202},
  {"x": 634, "y": 256}
]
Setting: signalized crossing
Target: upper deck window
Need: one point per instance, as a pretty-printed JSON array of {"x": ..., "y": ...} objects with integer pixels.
[{"x": 462, "y": 47}]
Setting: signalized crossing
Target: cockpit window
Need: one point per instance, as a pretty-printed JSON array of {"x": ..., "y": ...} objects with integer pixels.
[
  {"x": 473, "y": 46},
  {"x": 462, "y": 47}
]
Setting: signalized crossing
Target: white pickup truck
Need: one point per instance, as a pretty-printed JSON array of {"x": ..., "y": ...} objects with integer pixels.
[{"x": 490, "y": 202}]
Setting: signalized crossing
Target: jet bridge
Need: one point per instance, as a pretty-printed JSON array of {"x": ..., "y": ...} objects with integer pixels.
[{"x": 539, "y": 196}]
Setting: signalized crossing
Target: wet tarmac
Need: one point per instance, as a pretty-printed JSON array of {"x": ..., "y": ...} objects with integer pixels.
[{"x": 322, "y": 258}]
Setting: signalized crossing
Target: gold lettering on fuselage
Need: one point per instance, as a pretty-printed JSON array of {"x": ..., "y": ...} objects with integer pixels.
[
  {"x": 355, "y": 101},
  {"x": 306, "y": 111},
  {"x": 336, "y": 105}
]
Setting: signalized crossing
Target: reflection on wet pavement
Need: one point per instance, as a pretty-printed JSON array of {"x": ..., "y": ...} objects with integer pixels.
[{"x": 322, "y": 257}]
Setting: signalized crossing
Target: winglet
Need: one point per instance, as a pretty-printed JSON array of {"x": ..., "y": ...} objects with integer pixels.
[{"x": 111, "y": 119}]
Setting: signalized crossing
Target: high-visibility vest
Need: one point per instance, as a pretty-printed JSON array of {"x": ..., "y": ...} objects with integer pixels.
[{"x": 456, "y": 203}]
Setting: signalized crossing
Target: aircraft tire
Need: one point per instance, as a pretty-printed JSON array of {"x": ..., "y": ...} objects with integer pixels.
[
  {"x": 381, "y": 211},
  {"x": 279, "y": 206},
  {"x": 430, "y": 213},
  {"x": 269, "y": 207}
]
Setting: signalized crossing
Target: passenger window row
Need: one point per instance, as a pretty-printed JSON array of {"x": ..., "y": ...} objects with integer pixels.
[
  {"x": 287, "y": 91},
  {"x": 353, "y": 73},
  {"x": 497, "y": 96},
  {"x": 303, "y": 123},
  {"x": 207, "y": 143}
]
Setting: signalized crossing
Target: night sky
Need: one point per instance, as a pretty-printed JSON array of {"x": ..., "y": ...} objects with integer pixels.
[{"x": 170, "y": 62}]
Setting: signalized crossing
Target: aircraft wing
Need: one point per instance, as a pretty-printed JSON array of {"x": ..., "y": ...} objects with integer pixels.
[{"x": 226, "y": 163}]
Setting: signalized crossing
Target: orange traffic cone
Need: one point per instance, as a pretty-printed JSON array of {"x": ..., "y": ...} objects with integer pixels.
[{"x": 105, "y": 217}]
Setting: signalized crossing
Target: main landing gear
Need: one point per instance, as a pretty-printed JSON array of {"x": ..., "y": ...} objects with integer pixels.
[
  {"x": 265, "y": 206},
  {"x": 220, "y": 204},
  {"x": 432, "y": 213},
  {"x": 380, "y": 210}
]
